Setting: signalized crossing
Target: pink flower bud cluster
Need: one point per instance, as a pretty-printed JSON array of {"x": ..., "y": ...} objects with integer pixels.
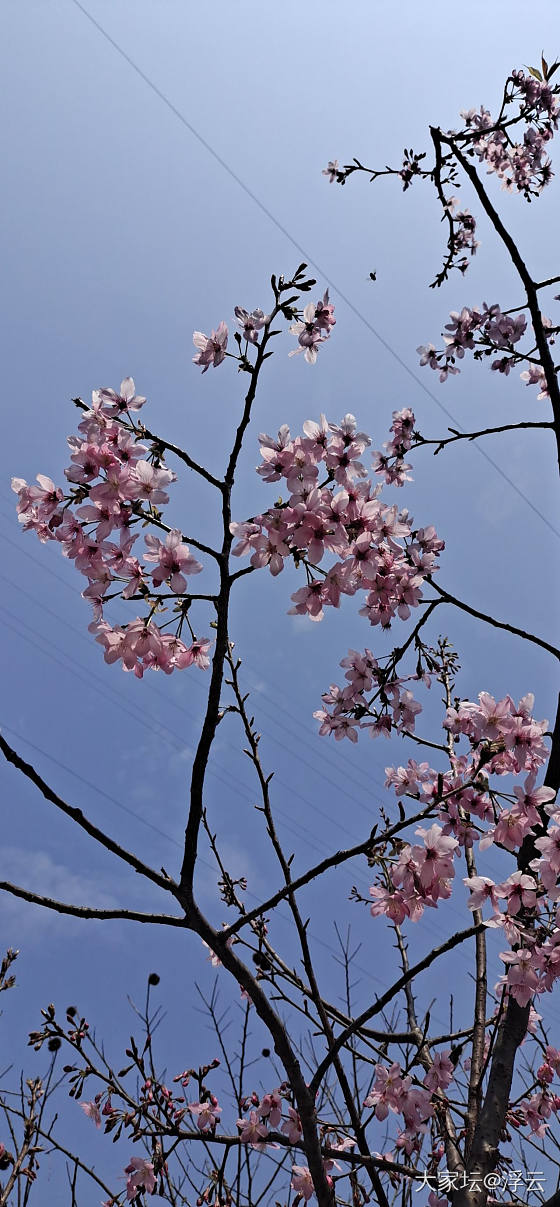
[
  {"x": 341, "y": 515},
  {"x": 464, "y": 229},
  {"x": 113, "y": 479}
]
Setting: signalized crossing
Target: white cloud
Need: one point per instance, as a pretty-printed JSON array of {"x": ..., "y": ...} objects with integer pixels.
[{"x": 38, "y": 872}]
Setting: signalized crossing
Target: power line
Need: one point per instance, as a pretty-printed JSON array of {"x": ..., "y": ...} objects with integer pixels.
[
  {"x": 325, "y": 757},
  {"x": 308, "y": 258},
  {"x": 141, "y": 715},
  {"x": 358, "y": 314},
  {"x": 227, "y": 779},
  {"x": 132, "y": 813},
  {"x": 138, "y": 817}
]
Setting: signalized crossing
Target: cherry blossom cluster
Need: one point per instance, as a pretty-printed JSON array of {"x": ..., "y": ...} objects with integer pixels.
[
  {"x": 534, "y": 1111},
  {"x": 504, "y": 739},
  {"x": 312, "y": 329},
  {"x": 340, "y": 515},
  {"x": 117, "y": 483},
  {"x": 522, "y": 166},
  {"x": 391, "y": 1091},
  {"x": 265, "y": 1114},
  {"x": 420, "y": 876},
  {"x": 302, "y": 1181},
  {"x": 485, "y": 332},
  {"x": 348, "y": 710},
  {"x": 391, "y": 463},
  {"x": 140, "y": 1176},
  {"x": 269, "y": 1113}
]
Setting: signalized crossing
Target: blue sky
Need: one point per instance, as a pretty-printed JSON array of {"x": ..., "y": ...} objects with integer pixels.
[{"x": 122, "y": 234}]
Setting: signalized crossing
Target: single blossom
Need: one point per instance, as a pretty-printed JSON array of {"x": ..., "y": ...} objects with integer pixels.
[
  {"x": 91, "y": 1109},
  {"x": 302, "y": 1182},
  {"x": 140, "y": 1177},
  {"x": 252, "y": 323},
  {"x": 117, "y": 403},
  {"x": 211, "y": 348}
]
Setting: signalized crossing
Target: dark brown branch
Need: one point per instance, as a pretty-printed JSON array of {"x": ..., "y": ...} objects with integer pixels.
[
  {"x": 421, "y": 441},
  {"x": 10, "y": 1110},
  {"x": 182, "y": 455},
  {"x": 86, "y": 911},
  {"x": 331, "y": 861},
  {"x": 543, "y": 284},
  {"x": 189, "y": 540},
  {"x": 511, "y": 1032},
  {"x": 25, "y": 1148},
  {"x": 301, "y": 927},
  {"x": 424, "y": 1057},
  {"x": 304, "y": 1098},
  {"x": 497, "y": 624},
  {"x": 211, "y": 718},
  {"x": 519, "y": 264},
  {"x": 145, "y": 433},
  {"x": 459, "y": 937},
  {"x": 77, "y": 816}
]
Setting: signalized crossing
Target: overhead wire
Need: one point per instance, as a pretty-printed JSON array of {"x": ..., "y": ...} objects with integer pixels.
[
  {"x": 228, "y": 779},
  {"x": 225, "y": 775},
  {"x": 131, "y": 812},
  {"x": 307, "y": 257},
  {"x": 372, "y": 778},
  {"x": 310, "y": 261},
  {"x": 141, "y": 716}
]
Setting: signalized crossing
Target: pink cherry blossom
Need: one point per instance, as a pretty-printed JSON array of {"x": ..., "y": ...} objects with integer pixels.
[
  {"x": 317, "y": 317},
  {"x": 212, "y": 348},
  {"x": 252, "y": 323},
  {"x": 270, "y": 1108},
  {"x": 292, "y": 1128},
  {"x": 140, "y": 1177},
  {"x": 126, "y": 400},
  {"x": 148, "y": 481},
  {"x": 91, "y": 1109},
  {"x": 174, "y": 560},
  {"x": 482, "y": 889},
  {"x": 207, "y": 1114},
  {"x": 441, "y": 1072},
  {"x": 302, "y": 1182},
  {"x": 522, "y": 978},
  {"x": 253, "y": 1131}
]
